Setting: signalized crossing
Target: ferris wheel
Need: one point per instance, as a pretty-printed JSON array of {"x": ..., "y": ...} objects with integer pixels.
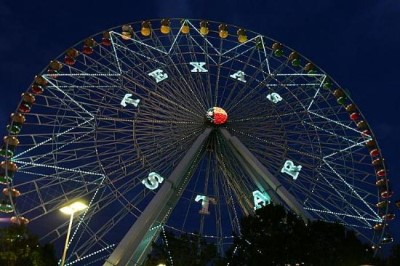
[{"x": 186, "y": 125}]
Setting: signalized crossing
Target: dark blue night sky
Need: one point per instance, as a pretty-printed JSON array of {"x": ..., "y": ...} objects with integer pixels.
[{"x": 356, "y": 42}]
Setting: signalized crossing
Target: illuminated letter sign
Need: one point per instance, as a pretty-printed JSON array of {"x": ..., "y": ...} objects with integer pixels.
[
  {"x": 205, "y": 202},
  {"x": 128, "y": 100},
  {"x": 198, "y": 67},
  {"x": 260, "y": 199},
  {"x": 291, "y": 169},
  {"x": 152, "y": 181},
  {"x": 239, "y": 76},
  {"x": 158, "y": 75},
  {"x": 274, "y": 97}
]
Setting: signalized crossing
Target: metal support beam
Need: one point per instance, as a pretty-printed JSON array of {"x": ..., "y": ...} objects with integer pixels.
[
  {"x": 263, "y": 176},
  {"x": 259, "y": 182},
  {"x": 134, "y": 247}
]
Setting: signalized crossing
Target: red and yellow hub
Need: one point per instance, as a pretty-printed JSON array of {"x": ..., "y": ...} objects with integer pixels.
[{"x": 217, "y": 116}]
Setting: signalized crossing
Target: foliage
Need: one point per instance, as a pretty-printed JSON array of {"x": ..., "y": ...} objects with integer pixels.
[
  {"x": 275, "y": 237},
  {"x": 185, "y": 250},
  {"x": 19, "y": 247},
  {"x": 394, "y": 258}
]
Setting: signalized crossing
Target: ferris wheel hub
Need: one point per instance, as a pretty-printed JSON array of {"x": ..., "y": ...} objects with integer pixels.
[{"x": 217, "y": 116}]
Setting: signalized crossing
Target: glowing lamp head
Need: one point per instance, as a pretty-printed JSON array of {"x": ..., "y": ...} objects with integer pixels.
[
  {"x": 74, "y": 207},
  {"x": 217, "y": 116}
]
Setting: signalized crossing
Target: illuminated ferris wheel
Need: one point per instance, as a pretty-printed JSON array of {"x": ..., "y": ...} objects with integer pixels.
[{"x": 186, "y": 125}]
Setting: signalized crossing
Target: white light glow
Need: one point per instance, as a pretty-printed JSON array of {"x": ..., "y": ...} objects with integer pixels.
[
  {"x": 74, "y": 207},
  {"x": 153, "y": 180},
  {"x": 239, "y": 76},
  {"x": 158, "y": 75},
  {"x": 260, "y": 199},
  {"x": 274, "y": 97},
  {"x": 291, "y": 169},
  {"x": 198, "y": 67}
]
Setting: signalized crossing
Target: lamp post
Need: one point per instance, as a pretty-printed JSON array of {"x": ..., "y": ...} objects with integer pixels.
[{"x": 70, "y": 210}]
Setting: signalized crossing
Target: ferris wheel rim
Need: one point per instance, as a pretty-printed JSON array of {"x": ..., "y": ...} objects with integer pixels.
[{"x": 99, "y": 160}]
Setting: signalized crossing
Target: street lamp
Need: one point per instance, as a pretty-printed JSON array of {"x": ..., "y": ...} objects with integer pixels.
[{"x": 70, "y": 210}]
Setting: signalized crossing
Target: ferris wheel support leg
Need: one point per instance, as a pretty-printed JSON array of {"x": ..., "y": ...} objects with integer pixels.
[
  {"x": 265, "y": 176},
  {"x": 259, "y": 182},
  {"x": 133, "y": 248}
]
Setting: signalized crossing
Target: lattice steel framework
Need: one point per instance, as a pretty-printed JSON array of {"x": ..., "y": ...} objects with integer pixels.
[{"x": 121, "y": 105}]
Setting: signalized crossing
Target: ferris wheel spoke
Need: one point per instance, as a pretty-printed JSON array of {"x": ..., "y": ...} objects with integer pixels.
[
  {"x": 277, "y": 144},
  {"x": 114, "y": 50},
  {"x": 263, "y": 56},
  {"x": 205, "y": 40},
  {"x": 136, "y": 40},
  {"x": 231, "y": 190},
  {"x": 96, "y": 65},
  {"x": 99, "y": 234},
  {"x": 209, "y": 186},
  {"x": 175, "y": 102},
  {"x": 70, "y": 99},
  {"x": 350, "y": 187},
  {"x": 62, "y": 227},
  {"x": 330, "y": 133},
  {"x": 40, "y": 200},
  {"x": 252, "y": 73},
  {"x": 94, "y": 253},
  {"x": 277, "y": 79},
  {"x": 48, "y": 140},
  {"x": 185, "y": 76},
  {"x": 52, "y": 151},
  {"x": 323, "y": 79},
  {"x": 337, "y": 202},
  {"x": 83, "y": 87},
  {"x": 306, "y": 86},
  {"x": 87, "y": 97},
  {"x": 293, "y": 100},
  {"x": 362, "y": 176},
  {"x": 149, "y": 55},
  {"x": 121, "y": 48},
  {"x": 155, "y": 67},
  {"x": 320, "y": 204},
  {"x": 359, "y": 144},
  {"x": 23, "y": 163},
  {"x": 232, "y": 53},
  {"x": 240, "y": 187},
  {"x": 233, "y": 112},
  {"x": 268, "y": 117},
  {"x": 338, "y": 214},
  {"x": 335, "y": 122}
]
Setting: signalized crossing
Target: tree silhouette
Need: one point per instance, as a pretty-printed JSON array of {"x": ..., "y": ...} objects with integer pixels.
[
  {"x": 275, "y": 237},
  {"x": 19, "y": 247},
  {"x": 185, "y": 250},
  {"x": 394, "y": 258}
]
